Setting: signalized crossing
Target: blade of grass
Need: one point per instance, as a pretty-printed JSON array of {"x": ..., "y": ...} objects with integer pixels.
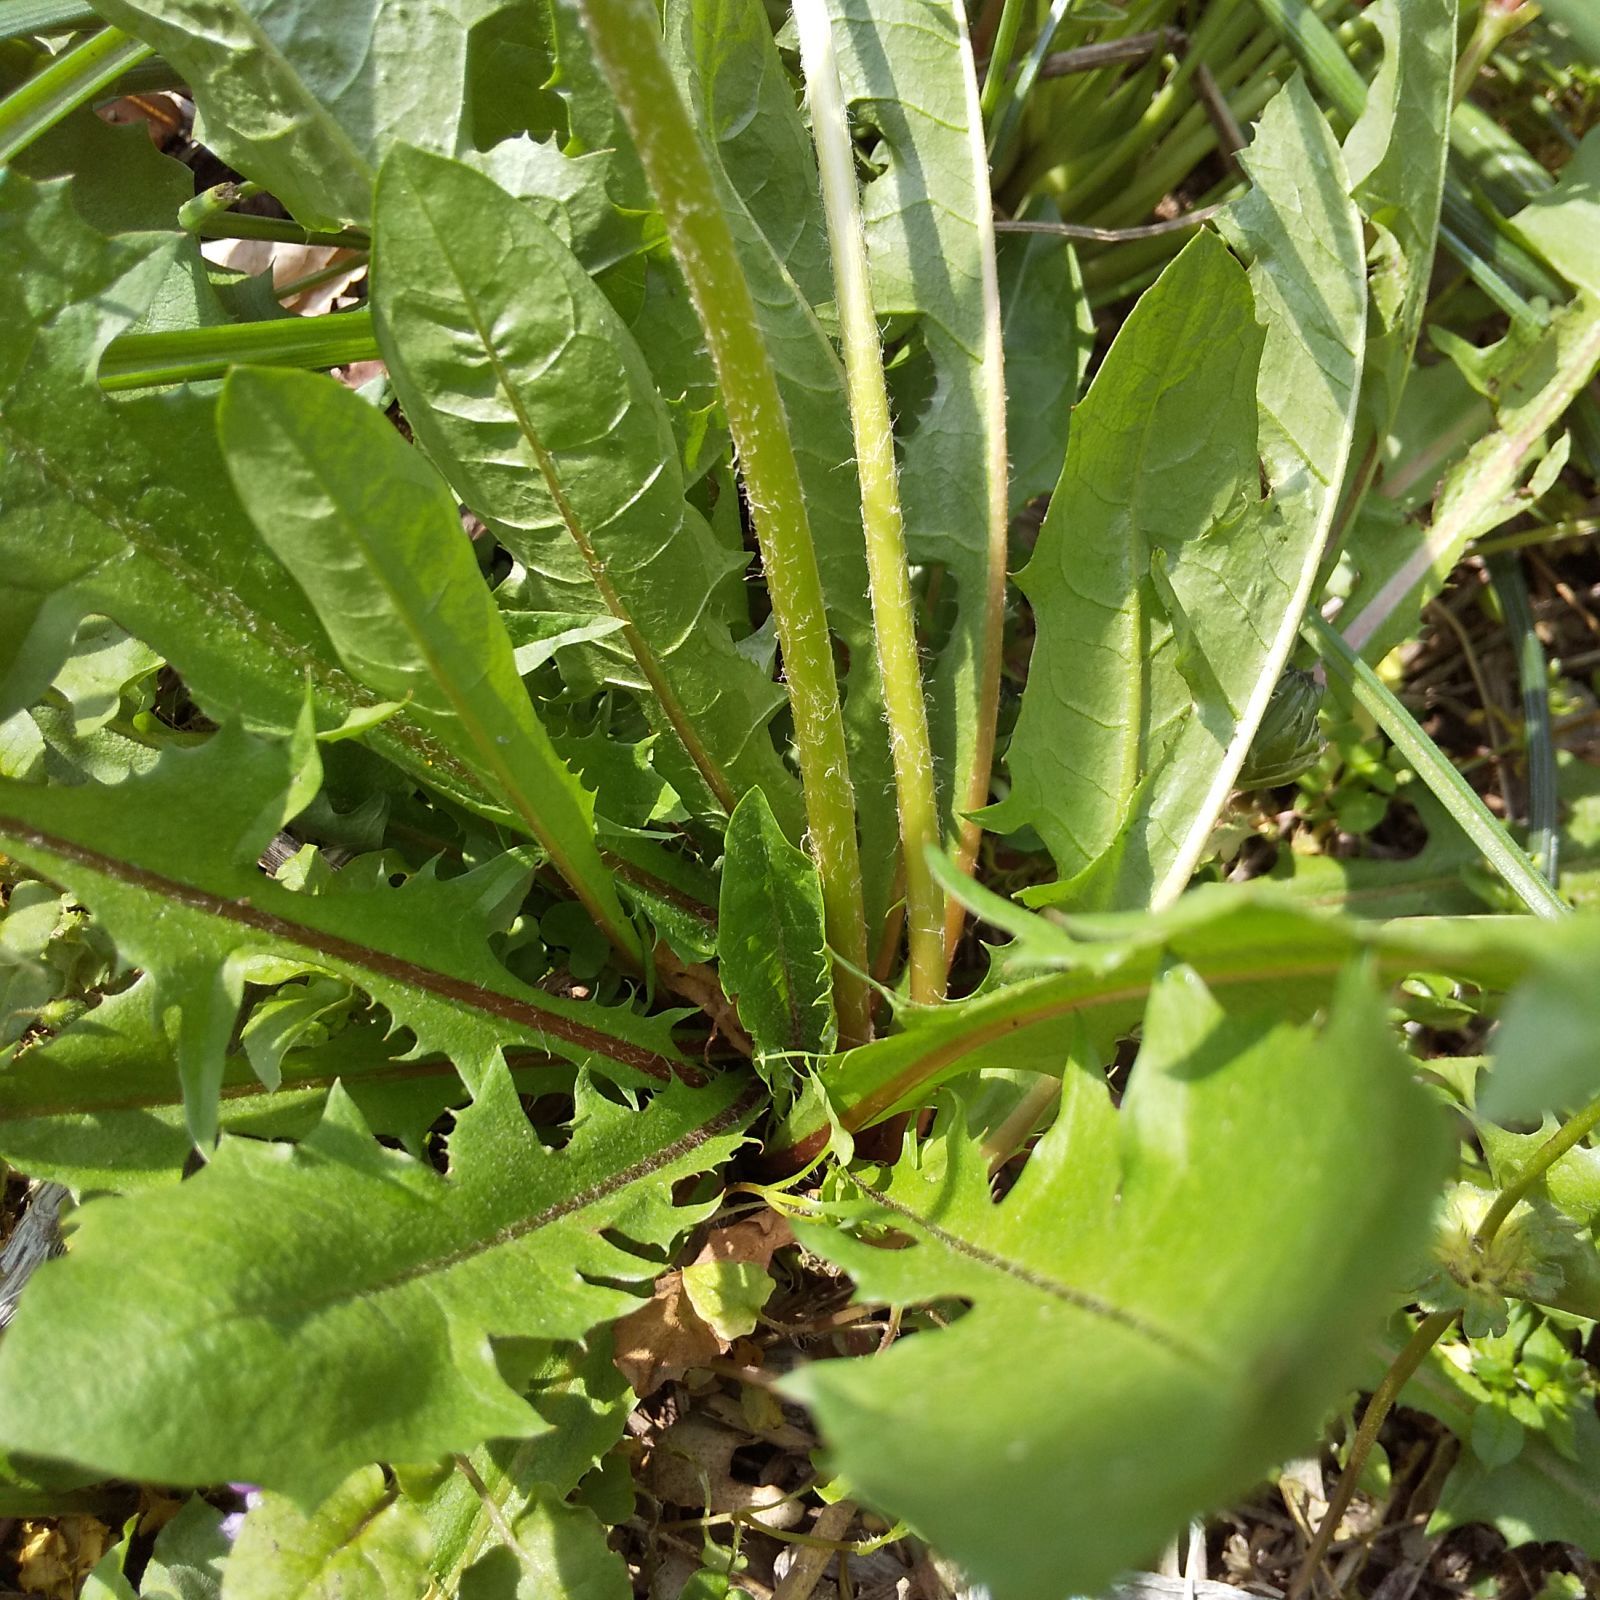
[
  {"x": 626, "y": 36},
  {"x": 1429, "y": 763},
  {"x": 998, "y": 72},
  {"x": 893, "y": 611},
  {"x": 1544, "y": 832},
  {"x": 74, "y": 76},
  {"x": 1003, "y": 127}
]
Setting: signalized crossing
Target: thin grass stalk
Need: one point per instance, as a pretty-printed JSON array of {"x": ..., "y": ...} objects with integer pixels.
[
  {"x": 1003, "y": 127},
  {"x": 883, "y": 524},
  {"x": 1544, "y": 807},
  {"x": 1428, "y": 762},
  {"x": 1224, "y": 34},
  {"x": 996, "y": 78},
  {"x": 626, "y": 35}
]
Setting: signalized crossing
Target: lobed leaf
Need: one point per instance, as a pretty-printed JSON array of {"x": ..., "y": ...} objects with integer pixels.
[
  {"x": 99, "y": 1106},
  {"x": 262, "y": 1337},
  {"x": 1259, "y": 942},
  {"x": 166, "y": 861},
  {"x": 1167, "y": 1302}
]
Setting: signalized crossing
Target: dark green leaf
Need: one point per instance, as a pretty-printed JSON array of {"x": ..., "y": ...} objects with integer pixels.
[
  {"x": 260, "y": 1337},
  {"x": 99, "y": 1106},
  {"x": 567, "y": 452},
  {"x": 771, "y": 942},
  {"x": 123, "y": 509},
  {"x": 167, "y": 862},
  {"x": 370, "y": 532}
]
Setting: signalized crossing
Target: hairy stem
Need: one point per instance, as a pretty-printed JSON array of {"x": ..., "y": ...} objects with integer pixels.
[
  {"x": 889, "y": 578},
  {"x": 627, "y": 41}
]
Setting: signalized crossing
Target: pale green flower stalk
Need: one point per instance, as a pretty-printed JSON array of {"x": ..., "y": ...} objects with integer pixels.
[
  {"x": 626, "y": 35},
  {"x": 893, "y": 614}
]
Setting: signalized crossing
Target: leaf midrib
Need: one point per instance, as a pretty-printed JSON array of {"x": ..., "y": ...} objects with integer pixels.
[
  {"x": 396, "y": 1071},
  {"x": 1078, "y": 1299},
  {"x": 333, "y": 947},
  {"x": 643, "y": 652},
  {"x": 510, "y": 1232}
]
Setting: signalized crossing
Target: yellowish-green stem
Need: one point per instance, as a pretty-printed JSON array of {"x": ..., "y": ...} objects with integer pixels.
[
  {"x": 889, "y": 578},
  {"x": 626, "y": 35}
]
